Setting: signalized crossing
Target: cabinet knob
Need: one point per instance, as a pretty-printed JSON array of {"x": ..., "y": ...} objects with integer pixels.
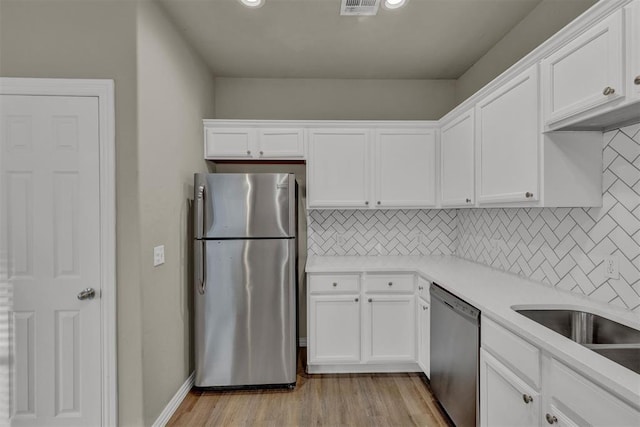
[
  {"x": 424, "y": 307},
  {"x": 390, "y": 283},
  {"x": 527, "y": 398},
  {"x": 608, "y": 91},
  {"x": 420, "y": 288},
  {"x": 468, "y": 200},
  {"x": 261, "y": 153},
  {"x": 636, "y": 81},
  {"x": 379, "y": 202},
  {"x": 528, "y": 195},
  {"x": 370, "y": 300},
  {"x": 357, "y": 299},
  {"x": 551, "y": 418},
  {"x": 366, "y": 203},
  {"x": 335, "y": 284},
  {"x": 248, "y": 151}
]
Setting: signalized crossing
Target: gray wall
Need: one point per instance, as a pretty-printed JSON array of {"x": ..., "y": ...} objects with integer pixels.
[
  {"x": 96, "y": 39},
  {"x": 175, "y": 92},
  {"x": 543, "y": 22},
  {"x": 333, "y": 99}
]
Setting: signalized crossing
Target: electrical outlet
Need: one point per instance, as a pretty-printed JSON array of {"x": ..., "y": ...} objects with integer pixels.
[
  {"x": 158, "y": 255},
  {"x": 611, "y": 270},
  {"x": 340, "y": 239}
]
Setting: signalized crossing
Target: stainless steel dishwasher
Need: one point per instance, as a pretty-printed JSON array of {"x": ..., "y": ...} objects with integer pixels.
[{"x": 455, "y": 340}]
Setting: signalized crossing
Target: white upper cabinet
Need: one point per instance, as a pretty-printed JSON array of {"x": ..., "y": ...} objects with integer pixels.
[
  {"x": 508, "y": 135},
  {"x": 632, "y": 14},
  {"x": 372, "y": 168},
  {"x": 405, "y": 168},
  {"x": 223, "y": 141},
  {"x": 281, "y": 143},
  {"x": 339, "y": 172},
  {"x": 586, "y": 74},
  {"x": 228, "y": 143},
  {"x": 457, "y": 181}
]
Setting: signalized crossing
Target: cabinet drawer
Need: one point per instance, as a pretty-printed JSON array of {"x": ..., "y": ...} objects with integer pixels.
[
  {"x": 389, "y": 283},
  {"x": 512, "y": 350},
  {"x": 585, "y": 402},
  {"x": 334, "y": 283}
]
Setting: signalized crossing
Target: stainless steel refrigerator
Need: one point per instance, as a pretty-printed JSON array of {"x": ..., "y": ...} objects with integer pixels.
[{"x": 245, "y": 280}]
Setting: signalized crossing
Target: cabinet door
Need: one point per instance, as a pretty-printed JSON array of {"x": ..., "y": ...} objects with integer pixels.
[
  {"x": 223, "y": 143},
  {"x": 583, "y": 402},
  {"x": 390, "y": 328},
  {"x": 334, "y": 329},
  {"x": 339, "y": 168},
  {"x": 281, "y": 143},
  {"x": 505, "y": 400},
  {"x": 632, "y": 13},
  {"x": 424, "y": 334},
  {"x": 457, "y": 172},
  {"x": 405, "y": 168},
  {"x": 508, "y": 136},
  {"x": 586, "y": 73}
]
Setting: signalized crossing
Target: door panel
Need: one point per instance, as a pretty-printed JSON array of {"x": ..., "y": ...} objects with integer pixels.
[
  {"x": 51, "y": 200},
  {"x": 334, "y": 329},
  {"x": 248, "y": 205},
  {"x": 245, "y": 317}
]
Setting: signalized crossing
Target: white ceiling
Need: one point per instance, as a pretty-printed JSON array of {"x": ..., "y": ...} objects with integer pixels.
[{"x": 426, "y": 39}]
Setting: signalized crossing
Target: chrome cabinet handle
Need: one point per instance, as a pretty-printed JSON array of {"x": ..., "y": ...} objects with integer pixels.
[
  {"x": 636, "y": 81},
  {"x": 335, "y": 284},
  {"x": 527, "y": 398},
  {"x": 468, "y": 200},
  {"x": 366, "y": 203},
  {"x": 88, "y": 293},
  {"x": 424, "y": 307},
  {"x": 608, "y": 91},
  {"x": 551, "y": 418},
  {"x": 370, "y": 300},
  {"x": 248, "y": 151},
  {"x": 420, "y": 288},
  {"x": 261, "y": 153},
  {"x": 357, "y": 299},
  {"x": 379, "y": 202},
  {"x": 528, "y": 195},
  {"x": 390, "y": 283}
]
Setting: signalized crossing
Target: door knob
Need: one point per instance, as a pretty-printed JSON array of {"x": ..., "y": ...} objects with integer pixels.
[{"x": 88, "y": 293}]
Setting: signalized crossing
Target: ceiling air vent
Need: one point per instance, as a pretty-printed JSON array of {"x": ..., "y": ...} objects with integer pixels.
[{"x": 359, "y": 7}]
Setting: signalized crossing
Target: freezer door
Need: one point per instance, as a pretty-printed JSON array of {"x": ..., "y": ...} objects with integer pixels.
[
  {"x": 245, "y": 205},
  {"x": 245, "y": 314}
]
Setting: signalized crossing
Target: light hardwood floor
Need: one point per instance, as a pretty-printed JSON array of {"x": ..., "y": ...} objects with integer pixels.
[{"x": 318, "y": 400}]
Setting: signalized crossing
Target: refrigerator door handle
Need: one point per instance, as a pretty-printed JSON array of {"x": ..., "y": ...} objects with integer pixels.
[
  {"x": 199, "y": 213},
  {"x": 203, "y": 279}
]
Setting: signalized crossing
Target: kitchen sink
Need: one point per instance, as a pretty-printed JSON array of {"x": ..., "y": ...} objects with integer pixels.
[{"x": 617, "y": 342}]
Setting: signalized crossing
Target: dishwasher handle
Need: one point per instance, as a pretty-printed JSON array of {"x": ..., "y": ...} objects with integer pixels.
[{"x": 454, "y": 303}]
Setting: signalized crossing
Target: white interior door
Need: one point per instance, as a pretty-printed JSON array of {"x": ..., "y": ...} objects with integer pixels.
[{"x": 49, "y": 154}]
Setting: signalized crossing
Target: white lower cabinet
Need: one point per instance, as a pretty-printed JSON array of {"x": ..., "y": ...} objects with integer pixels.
[
  {"x": 510, "y": 394},
  {"x": 505, "y": 399},
  {"x": 424, "y": 336},
  {"x": 361, "y": 323},
  {"x": 390, "y": 328}
]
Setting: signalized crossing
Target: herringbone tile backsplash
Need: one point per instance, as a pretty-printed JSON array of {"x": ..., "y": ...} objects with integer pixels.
[
  {"x": 381, "y": 232},
  {"x": 558, "y": 246}
]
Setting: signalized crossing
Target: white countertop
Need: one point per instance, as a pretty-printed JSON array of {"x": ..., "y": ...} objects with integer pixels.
[{"x": 495, "y": 293}]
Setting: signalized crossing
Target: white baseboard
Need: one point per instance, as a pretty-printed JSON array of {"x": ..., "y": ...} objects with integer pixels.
[
  {"x": 302, "y": 342},
  {"x": 175, "y": 401}
]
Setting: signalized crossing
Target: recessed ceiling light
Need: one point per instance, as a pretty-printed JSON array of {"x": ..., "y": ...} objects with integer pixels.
[
  {"x": 394, "y": 4},
  {"x": 253, "y": 3}
]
